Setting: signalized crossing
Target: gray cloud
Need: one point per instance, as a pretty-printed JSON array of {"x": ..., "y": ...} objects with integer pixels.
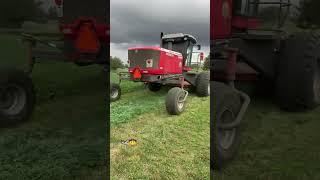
[{"x": 141, "y": 21}]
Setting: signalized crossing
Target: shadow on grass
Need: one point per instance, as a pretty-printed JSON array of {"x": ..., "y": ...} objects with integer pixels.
[{"x": 66, "y": 136}]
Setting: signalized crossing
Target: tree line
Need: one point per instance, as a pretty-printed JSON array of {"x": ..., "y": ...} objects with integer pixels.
[
  {"x": 309, "y": 15},
  {"x": 116, "y": 63}
]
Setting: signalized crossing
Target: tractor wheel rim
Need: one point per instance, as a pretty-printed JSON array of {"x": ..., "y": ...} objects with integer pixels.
[
  {"x": 114, "y": 93},
  {"x": 226, "y": 137},
  {"x": 13, "y": 99},
  {"x": 180, "y": 103}
]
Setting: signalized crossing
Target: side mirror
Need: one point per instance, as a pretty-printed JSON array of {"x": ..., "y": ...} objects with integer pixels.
[{"x": 199, "y": 47}]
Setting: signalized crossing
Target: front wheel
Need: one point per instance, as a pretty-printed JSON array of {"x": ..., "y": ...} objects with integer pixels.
[
  {"x": 224, "y": 142},
  {"x": 115, "y": 92},
  {"x": 175, "y": 101},
  {"x": 17, "y": 96}
]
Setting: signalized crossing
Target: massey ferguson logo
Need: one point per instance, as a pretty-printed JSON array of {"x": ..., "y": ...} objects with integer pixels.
[{"x": 149, "y": 63}]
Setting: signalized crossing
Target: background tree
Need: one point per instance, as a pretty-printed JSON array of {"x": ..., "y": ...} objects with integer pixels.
[
  {"x": 116, "y": 63},
  {"x": 308, "y": 14},
  {"x": 206, "y": 63}
]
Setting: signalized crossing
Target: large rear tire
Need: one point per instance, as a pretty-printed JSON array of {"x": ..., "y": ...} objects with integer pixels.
[
  {"x": 17, "y": 96},
  {"x": 203, "y": 84},
  {"x": 174, "y": 101},
  {"x": 226, "y": 105},
  {"x": 298, "y": 80}
]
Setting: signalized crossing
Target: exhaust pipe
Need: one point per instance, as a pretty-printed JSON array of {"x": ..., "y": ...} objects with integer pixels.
[{"x": 161, "y": 35}]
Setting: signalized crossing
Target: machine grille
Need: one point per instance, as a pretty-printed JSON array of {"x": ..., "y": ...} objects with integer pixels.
[{"x": 139, "y": 57}]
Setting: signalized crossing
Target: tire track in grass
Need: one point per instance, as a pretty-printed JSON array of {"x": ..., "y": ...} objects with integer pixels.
[
  {"x": 169, "y": 147},
  {"x": 134, "y": 104}
]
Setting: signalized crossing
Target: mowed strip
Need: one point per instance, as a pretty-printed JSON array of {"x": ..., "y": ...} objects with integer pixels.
[
  {"x": 168, "y": 147},
  {"x": 64, "y": 139},
  {"x": 276, "y": 145},
  {"x": 134, "y": 104},
  {"x": 61, "y": 141}
]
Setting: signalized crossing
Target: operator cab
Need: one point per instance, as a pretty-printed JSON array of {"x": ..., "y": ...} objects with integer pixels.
[{"x": 182, "y": 43}]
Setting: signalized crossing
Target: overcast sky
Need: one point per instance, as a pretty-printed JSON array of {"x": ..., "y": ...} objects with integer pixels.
[{"x": 140, "y": 22}]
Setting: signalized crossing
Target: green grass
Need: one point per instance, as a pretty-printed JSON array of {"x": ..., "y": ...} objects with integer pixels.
[
  {"x": 126, "y": 86},
  {"x": 66, "y": 137},
  {"x": 136, "y": 99},
  {"x": 134, "y": 104},
  {"x": 276, "y": 145},
  {"x": 169, "y": 147}
]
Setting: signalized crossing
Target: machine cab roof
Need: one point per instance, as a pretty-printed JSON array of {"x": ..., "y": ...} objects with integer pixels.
[
  {"x": 179, "y": 37},
  {"x": 180, "y": 42}
]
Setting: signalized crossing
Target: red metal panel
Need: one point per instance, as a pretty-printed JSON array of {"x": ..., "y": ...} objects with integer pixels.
[
  {"x": 70, "y": 31},
  {"x": 75, "y": 12},
  {"x": 220, "y": 18},
  {"x": 145, "y": 48},
  {"x": 242, "y": 22},
  {"x": 87, "y": 40},
  {"x": 170, "y": 62}
]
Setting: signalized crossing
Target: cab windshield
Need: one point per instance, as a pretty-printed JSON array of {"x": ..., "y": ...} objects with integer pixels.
[{"x": 189, "y": 55}]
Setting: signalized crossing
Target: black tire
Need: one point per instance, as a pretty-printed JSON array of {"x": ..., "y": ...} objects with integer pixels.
[
  {"x": 115, "y": 92},
  {"x": 174, "y": 105},
  {"x": 250, "y": 88},
  {"x": 17, "y": 96},
  {"x": 298, "y": 79},
  {"x": 203, "y": 85},
  {"x": 226, "y": 105},
  {"x": 154, "y": 86}
]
